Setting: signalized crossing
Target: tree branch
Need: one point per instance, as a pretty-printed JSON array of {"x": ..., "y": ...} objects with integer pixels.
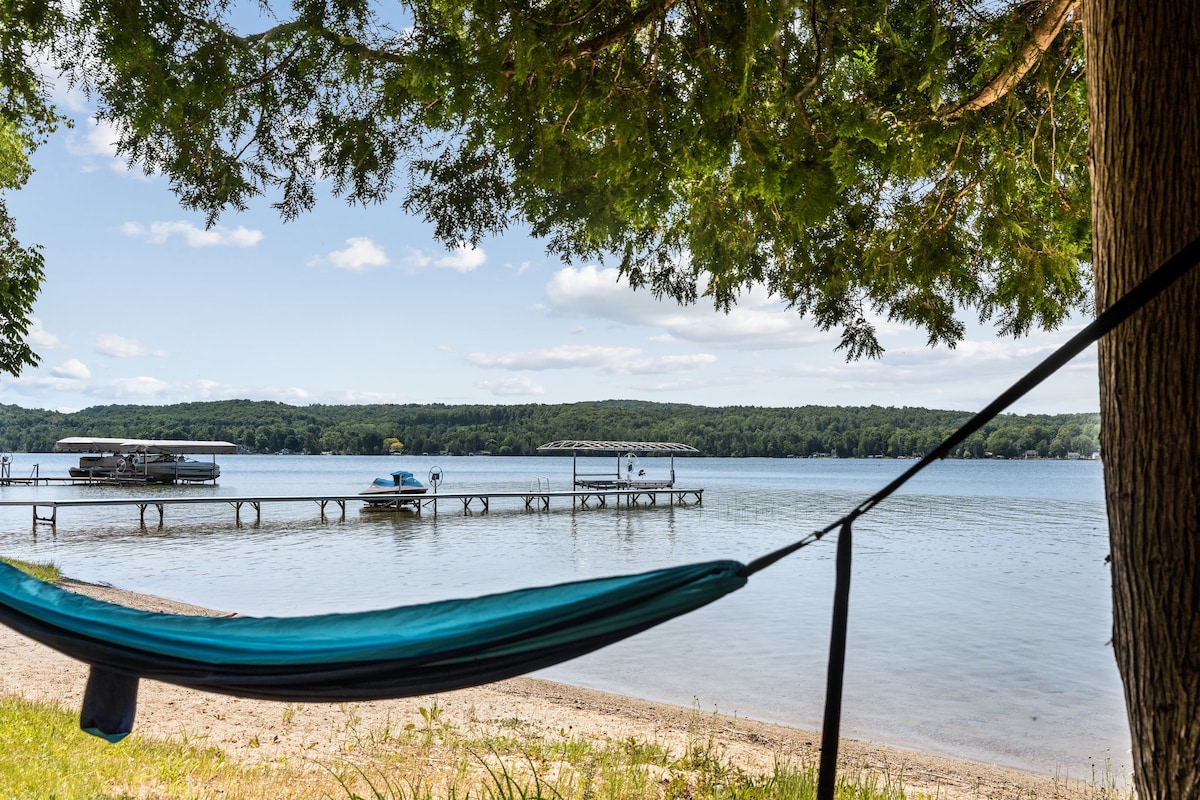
[
  {"x": 617, "y": 32},
  {"x": 1040, "y": 38}
]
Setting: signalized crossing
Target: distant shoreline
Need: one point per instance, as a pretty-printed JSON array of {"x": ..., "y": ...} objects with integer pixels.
[{"x": 263, "y": 427}]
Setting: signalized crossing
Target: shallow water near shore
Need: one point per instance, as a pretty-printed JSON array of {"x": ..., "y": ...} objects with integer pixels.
[{"x": 980, "y": 607}]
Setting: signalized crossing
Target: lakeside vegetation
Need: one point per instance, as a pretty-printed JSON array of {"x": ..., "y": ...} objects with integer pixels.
[
  {"x": 728, "y": 431},
  {"x": 48, "y": 756}
]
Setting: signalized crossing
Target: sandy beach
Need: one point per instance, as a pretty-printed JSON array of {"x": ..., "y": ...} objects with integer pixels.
[{"x": 254, "y": 730}]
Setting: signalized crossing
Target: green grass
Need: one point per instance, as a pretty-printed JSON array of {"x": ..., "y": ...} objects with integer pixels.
[
  {"x": 436, "y": 759},
  {"x": 46, "y": 755},
  {"x": 46, "y": 572}
]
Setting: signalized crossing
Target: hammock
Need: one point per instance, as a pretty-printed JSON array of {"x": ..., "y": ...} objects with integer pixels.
[
  {"x": 373, "y": 655},
  {"x": 453, "y": 644}
]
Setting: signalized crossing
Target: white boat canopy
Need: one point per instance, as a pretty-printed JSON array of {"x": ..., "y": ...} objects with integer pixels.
[
  {"x": 93, "y": 444},
  {"x": 595, "y": 446}
]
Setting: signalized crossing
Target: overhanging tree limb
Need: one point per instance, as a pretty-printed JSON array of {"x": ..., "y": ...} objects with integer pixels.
[{"x": 1040, "y": 38}]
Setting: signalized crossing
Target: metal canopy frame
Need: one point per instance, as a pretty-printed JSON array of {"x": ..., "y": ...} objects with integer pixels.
[
  {"x": 100, "y": 444},
  {"x": 597, "y": 446},
  {"x": 624, "y": 450}
]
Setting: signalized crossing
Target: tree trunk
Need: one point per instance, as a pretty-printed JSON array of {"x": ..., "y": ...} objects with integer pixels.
[{"x": 1143, "y": 80}]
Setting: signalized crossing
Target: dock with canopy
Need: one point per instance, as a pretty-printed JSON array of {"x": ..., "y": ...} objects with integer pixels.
[
  {"x": 628, "y": 473},
  {"x": 123, "y": 460}
]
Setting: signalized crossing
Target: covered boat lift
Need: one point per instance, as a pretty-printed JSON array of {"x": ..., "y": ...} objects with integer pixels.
[
  {"x": 627, "y": 459},
  {"x": 140, "y": 469}
]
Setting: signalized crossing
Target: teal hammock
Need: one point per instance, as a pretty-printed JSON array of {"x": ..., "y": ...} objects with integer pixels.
[
  {"x": 372, "y": 655},
  {"x": 435, "y": 647}
]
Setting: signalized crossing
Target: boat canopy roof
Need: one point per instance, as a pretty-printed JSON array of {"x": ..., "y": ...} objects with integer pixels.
[
  {"x": 596, "y": 446},
  {"x": 93, "y": 444}
]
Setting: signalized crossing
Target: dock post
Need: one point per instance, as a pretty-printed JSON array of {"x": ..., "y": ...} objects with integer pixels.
[{"x": 52, "y": 519}]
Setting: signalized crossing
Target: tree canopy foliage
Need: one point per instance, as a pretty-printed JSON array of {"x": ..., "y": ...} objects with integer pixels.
[
  {"x": 862, "y": 159},
  {"x": 737, "y": 431},
  {"x": 26, "y": 119}
]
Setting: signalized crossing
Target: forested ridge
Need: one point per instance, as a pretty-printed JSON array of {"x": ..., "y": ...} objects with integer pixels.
[{"x": 728, "y": 431}]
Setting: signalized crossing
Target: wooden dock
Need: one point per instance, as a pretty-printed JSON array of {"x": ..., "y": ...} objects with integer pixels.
[{"x": 471, "y": 502}]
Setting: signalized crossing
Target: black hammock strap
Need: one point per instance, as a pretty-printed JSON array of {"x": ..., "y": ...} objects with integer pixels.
[
  {"x": 415, "y": 650},
  {"x": 1150, "y": 287}
]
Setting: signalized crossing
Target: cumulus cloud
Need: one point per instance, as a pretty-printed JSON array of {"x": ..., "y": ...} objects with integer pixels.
[
  {"x": 668, "y": 364},
  {"x": 97, "y": 139},
  {"x": 193, "y": 235},
  {"x": 463, "y": 258},
  {"x": 116, "y": 346},
  {"x": 606, "y": 359},
  {"x": 755, "y": 323},
  {"x": 415, "y": 259},
  {"x": 965, "y": 377},
  {"x": 41, "y": 339},
  {"x": 72, "y": 369},
  {"x": 359, "y": 255},
  {"x": 512, "y": 387},
  {"x": 66, "y": 96},
  {"x": 564, "y": 356}
]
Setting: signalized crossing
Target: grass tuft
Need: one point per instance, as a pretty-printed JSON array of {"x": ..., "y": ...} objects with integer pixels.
[{"x": 50, "y": 573}]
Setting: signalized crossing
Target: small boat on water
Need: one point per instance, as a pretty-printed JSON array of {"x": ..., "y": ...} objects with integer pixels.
[
  {"x": 389, "y": 492},
  {"x": 143, "y": 460}
]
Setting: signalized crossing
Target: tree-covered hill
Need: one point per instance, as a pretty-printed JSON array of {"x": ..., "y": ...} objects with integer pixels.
[{"x": 737, "y": 431}]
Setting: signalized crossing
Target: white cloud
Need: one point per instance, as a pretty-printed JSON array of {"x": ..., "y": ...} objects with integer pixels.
[
  {"x": 765, "y": 324},
  {"x": 359, "y": 255},
  {"x": 34, "y": 385},
  {"x": 73, "y": 369},
  {"x": 463, "y": 258},
  {"x": 416, "y": 259},
  {"x": 116, "y": 346},
  {"x": 193, "y": 235},
  {"x": 41, "y": 339},
  {"x": 65, "y": 96},
  {"x": 564, "y": 356},
  {"x": 668, "y": 364},
  {"x": 512, "y": 387},
  {"x": 97, "y": 140},
  {"x": 966, "y": 377},
  {"x": 141, "y": 386},
  {"x": 607, "y": 359}
]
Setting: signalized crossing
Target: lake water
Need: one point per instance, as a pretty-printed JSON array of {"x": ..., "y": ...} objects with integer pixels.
[{"x": 980, "y": 608}]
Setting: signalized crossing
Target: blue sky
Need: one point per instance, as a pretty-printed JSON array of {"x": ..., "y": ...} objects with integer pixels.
[{"x": 143, "y": 305}]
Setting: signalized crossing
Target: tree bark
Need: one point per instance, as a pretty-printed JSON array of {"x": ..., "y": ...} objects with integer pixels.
[{"x": 1143, "y": 80}]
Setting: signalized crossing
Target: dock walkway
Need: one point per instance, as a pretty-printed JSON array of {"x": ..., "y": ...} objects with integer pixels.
[{"x": 533, "y": 500}]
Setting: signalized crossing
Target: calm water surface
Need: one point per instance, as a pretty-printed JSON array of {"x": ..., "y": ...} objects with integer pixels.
[{"x": 980, "y": 608}]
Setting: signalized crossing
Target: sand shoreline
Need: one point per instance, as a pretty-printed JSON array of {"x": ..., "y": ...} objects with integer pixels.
[{"x": 255, "y": 730}]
